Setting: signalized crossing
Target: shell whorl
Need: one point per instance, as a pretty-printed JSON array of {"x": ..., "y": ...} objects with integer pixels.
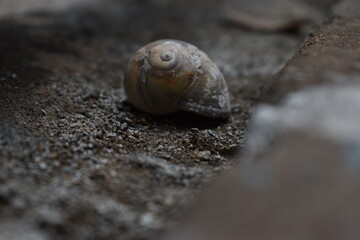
[{"x": 167, "y": 76}]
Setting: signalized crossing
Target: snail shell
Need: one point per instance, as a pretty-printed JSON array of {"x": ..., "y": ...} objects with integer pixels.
[{"x": 167, "y": 76}]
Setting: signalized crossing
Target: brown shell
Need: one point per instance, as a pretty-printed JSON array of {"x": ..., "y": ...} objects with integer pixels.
[{"x": 168, "y": 75}]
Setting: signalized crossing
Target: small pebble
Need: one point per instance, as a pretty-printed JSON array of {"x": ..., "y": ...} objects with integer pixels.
[{"x": 203, "y": 155}]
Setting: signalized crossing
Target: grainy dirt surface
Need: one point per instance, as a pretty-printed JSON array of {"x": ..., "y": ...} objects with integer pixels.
[{"x": 76, "y": 160}]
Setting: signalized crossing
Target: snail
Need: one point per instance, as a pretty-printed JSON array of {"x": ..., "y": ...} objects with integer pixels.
[{"x": 167, "y": 76}]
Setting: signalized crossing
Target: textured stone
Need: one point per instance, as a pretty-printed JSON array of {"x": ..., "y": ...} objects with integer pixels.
[
  {"x": 270, "y": 15},
  {"x": 300, "y": 168},
  {"x": 300, "y": 175},
  {"x": 329, "y": 112},
  {"x": 329, "y": 56}
]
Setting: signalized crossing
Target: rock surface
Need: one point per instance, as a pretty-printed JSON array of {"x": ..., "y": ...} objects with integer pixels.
[
  {"x": 329, "y": 56},
  {"x": 292, "y": 190},
  {"x": 300, "y": 174},
  {"x": 299, "y": 177},
  {"x": 271, "y": 15}
]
